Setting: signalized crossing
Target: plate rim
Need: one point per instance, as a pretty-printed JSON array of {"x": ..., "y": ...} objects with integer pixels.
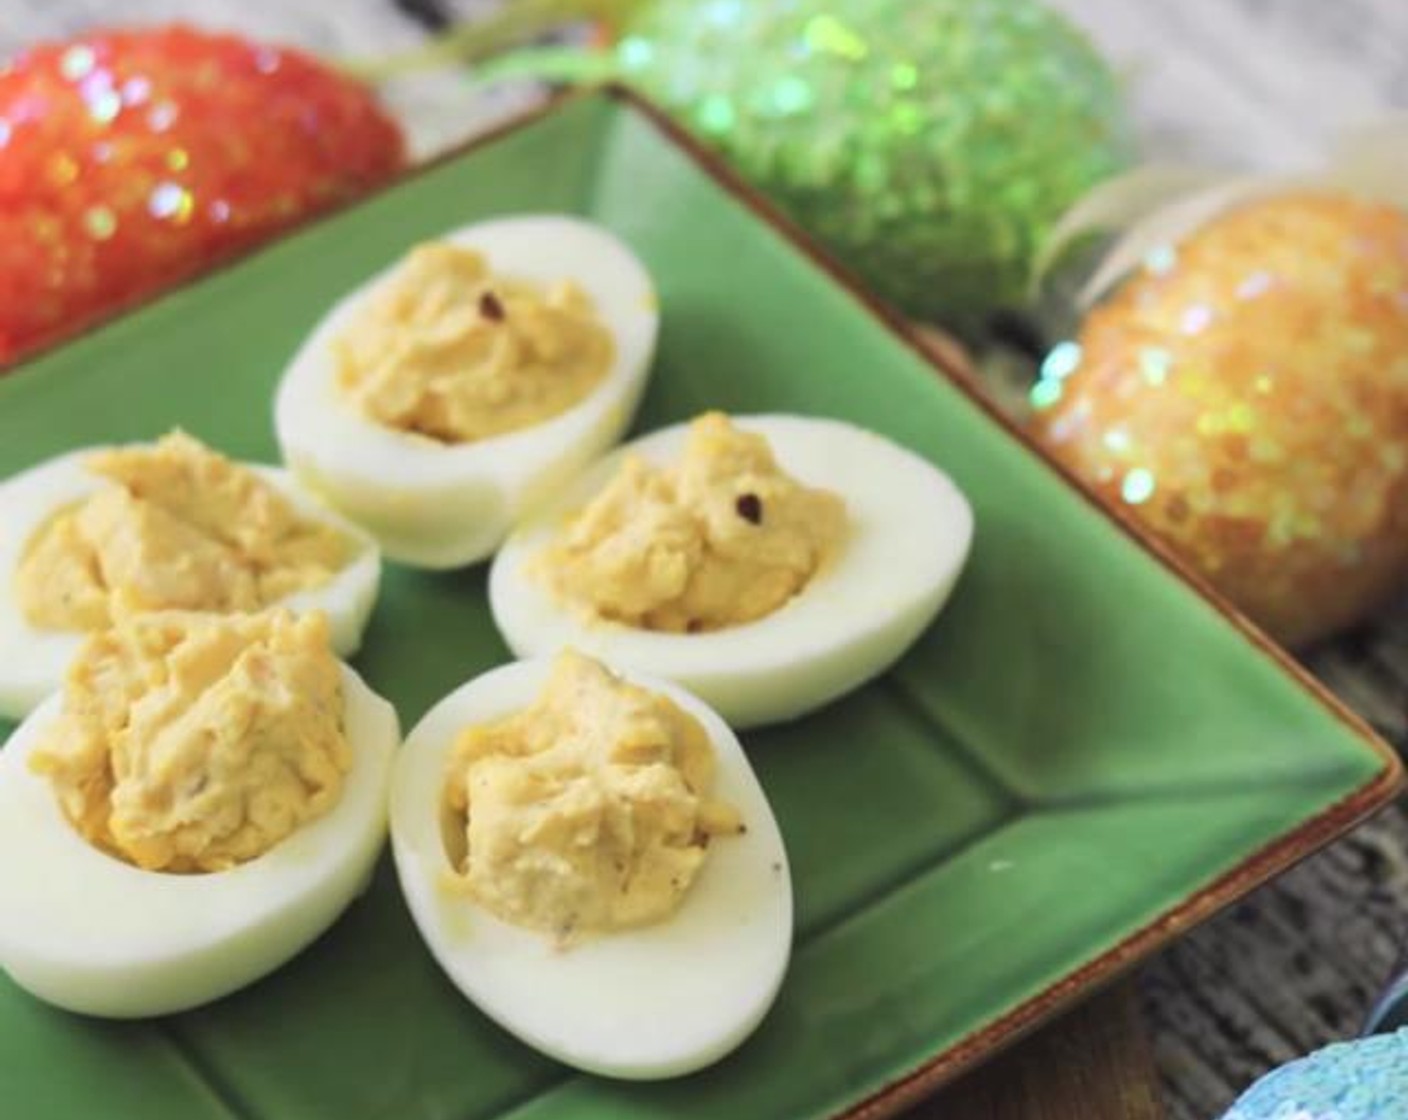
[{"x": 1260, "y": 866}]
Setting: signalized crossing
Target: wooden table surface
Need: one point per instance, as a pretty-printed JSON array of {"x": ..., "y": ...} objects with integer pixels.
[
  {"x": 1241, "y": 83},
  {"x": 1092, "y": 1064}
]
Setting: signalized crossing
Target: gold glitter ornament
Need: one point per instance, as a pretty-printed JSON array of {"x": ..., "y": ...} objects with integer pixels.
[{"x": 1245, "y": 394}]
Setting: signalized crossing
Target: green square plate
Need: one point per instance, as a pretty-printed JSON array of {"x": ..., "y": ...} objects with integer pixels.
[{"x": 1085, "y": 756}]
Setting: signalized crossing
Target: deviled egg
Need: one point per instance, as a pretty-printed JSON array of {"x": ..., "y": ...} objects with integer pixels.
[
  {"x": 768, "y": 564},
  {"x": 201, "y": 801},
  {"x": 448, "y": 394},
  {"x": 592, "y": 862},
  {"x": 169, "y": 525}
]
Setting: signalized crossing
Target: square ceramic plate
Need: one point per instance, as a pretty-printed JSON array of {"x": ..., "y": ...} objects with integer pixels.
[{"x": 1085, "y": 756}]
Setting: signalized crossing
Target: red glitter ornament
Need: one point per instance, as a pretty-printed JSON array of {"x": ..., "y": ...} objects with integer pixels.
[{"x": 130, "y": 159}]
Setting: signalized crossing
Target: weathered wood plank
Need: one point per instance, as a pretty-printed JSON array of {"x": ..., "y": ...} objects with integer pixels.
[{"x": 1092, "y": 1064}]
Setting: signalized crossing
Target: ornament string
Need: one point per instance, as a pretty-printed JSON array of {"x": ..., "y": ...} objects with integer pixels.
[{"x": 499, "y": 45}]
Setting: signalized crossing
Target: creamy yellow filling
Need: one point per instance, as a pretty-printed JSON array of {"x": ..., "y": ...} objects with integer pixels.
[
  {"x": 587, "y": 811},
  {"x": 450, "y": 351},
  {"x": 195, "y": 742},
  {"x": 175, "y": 526},
  {"x": 723, "y": 537}
]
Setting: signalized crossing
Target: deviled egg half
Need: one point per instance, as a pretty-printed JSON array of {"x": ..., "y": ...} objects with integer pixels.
[
  {"x": 108, "y": 531},
  {"x": 203, "y": 799},
  {"x": 768, "y": 564},
  {"x": 448, "y": 394},
  {"x": 591, "y": 860}
]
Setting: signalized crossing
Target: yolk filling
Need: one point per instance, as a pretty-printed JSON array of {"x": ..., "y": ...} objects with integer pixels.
[
  {"x": 176, "y": 526},
  {"x": 723, "y": 537},
  {"x": 450, "y": 351},
  {"x": 587, "y": 811},
  {"x": 196, "y": 742}
]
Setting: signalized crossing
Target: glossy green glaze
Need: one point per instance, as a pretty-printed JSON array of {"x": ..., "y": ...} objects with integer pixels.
[{"x": 1079, "y": 745}]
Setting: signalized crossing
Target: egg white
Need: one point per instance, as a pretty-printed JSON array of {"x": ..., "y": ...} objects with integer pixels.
[
  {"x": 653, "y": 1002},
  {"x": 91, "y": 933},
  {"x": 434, "y": 505},
  {"x": 33, "y": 659},
  {"x": 909, "y": 534}
]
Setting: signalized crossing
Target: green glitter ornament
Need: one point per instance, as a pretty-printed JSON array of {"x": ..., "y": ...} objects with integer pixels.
[{"x": 931, "y": 144}]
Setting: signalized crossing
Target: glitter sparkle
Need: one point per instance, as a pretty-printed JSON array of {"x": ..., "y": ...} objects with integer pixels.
[
  {"x": 1247, "y": 396},
  {"x": 899, "y": 137},
  {"x": 129, "y": 174}
]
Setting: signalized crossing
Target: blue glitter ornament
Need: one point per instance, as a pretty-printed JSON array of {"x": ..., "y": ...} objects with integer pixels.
[{"x": 1364, "y": 1080}]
